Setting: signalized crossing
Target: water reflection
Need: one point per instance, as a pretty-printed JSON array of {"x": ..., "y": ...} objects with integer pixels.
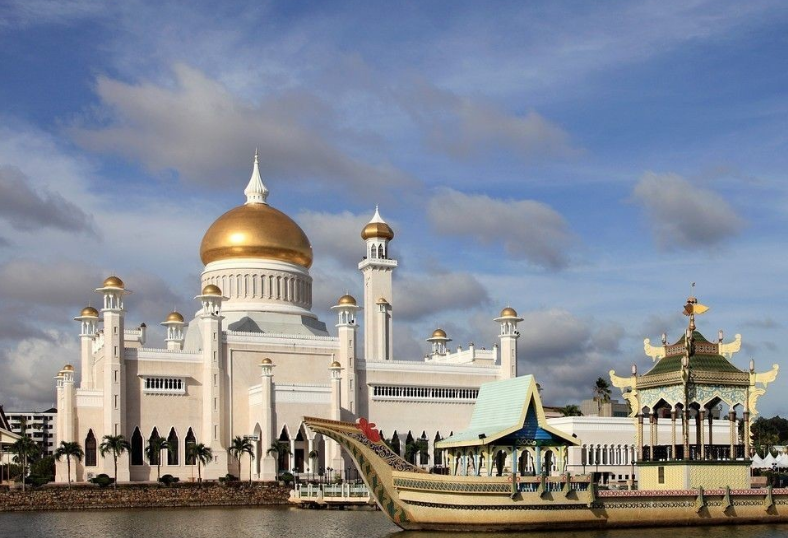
[{"x": 283, "y": 522}]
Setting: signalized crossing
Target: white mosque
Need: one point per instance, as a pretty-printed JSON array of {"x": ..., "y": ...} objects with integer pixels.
[{"x": 254, "y": 359}]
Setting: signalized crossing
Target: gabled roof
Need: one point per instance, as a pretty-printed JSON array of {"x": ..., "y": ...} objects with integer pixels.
[{"x": 508, "y": 409}]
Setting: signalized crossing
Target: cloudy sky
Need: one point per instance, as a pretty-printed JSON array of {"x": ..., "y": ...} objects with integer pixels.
[{"x": 581, "y": 162}]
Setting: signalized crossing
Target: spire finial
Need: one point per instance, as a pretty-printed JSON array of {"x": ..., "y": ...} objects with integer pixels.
[
  {"x": 256, "y": 192},
  {"x": 376, "y": 217}
]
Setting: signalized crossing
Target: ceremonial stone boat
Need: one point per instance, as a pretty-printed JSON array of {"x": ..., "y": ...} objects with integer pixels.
[{"x": 509, "y": 414}]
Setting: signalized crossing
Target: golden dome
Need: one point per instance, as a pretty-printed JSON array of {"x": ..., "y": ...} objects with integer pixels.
[
  {"x": 439, "y": 333},
  {"x": 336, "y": 364},
  {"x": 347, "y": 299},
  {"x": 508, "y": 312},
  {"x": 89, "y": 312},
  {"x": 113, "y": 282},
  {"x": 266, "y": 361},
  {"x": 68, "y": 368},
  {"x": 174, "y": 316},
  {"x": 256, "y": 231},
  {"x": 377, "y": 229},
  {"x": 210, "y": 289}
]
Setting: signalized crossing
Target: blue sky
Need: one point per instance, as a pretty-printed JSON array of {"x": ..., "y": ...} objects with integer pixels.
[{"x": 582, "y": 162}]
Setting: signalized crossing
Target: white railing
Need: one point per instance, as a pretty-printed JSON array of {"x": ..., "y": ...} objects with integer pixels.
[{"x": 331, "y": 493}]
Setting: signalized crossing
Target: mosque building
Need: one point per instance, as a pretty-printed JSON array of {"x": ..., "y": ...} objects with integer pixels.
[{"x": 254, "y": 359}]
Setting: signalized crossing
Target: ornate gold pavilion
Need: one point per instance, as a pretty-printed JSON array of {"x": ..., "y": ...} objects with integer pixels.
[{"x": 690, "y": 381}]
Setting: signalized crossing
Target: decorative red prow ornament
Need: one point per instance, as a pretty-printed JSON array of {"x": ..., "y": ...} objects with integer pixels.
[{"x": 368, "y": 429}]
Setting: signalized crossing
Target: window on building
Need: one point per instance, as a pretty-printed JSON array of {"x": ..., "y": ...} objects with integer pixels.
[
  {"x": 154, "y": 456},
  {"x": 661, "y": 475},
  {"x": 190, "y": 440},
  {"x": 172, "y": 452},
  {"x": 90, "y": 449},
  {"x": 136, "y": 447}
]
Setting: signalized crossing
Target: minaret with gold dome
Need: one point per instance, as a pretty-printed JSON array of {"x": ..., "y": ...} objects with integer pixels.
[{"x": 377, "y": 268}]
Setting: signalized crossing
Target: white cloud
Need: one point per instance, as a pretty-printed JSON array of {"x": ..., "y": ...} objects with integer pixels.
[
  {"x": 685, "y": 216},
  {"x": 29, "y": 368},
  {"x": 417, "y": 297},
  {"x": 335, "y": 236},
  {"x": 464, "y": 128},
  {"x": 527, "y": 229},
  {"x": 197, "y": 127}
]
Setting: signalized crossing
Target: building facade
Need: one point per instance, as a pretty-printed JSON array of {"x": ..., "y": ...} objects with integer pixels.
[
  {"x": 254, "y": 359},
  {"x": 40, "y": 426}
]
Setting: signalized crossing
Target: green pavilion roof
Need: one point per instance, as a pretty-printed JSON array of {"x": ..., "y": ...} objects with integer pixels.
[
  {"x": 708, "y": 362},
  {"x": 508, "y": 409}
]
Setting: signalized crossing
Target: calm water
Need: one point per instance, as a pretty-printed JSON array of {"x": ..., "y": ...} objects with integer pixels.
[{"x": 279, "y": 522}]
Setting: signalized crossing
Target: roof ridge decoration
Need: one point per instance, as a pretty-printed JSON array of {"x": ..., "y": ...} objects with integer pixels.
[{"x": 256, "y": 191}]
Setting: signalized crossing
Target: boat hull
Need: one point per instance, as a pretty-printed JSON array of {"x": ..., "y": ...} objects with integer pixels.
[{"x": 416, "y": 500}]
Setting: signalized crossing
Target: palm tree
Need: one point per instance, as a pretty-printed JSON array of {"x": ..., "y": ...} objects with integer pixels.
[
  {"x": 571, "y": 410},
  {"x": 418, "y": 448},
  {"x": 25, "y": 449},
  {"x": 70, "y": 449},
  {"x": 601, "y": 392},
  {"x": 115, "y": 445},
  {"x": 240, "y": 446},
  {"x": 202, "y": 454},
  {"x": 153, "y": 452},
  {"x": 312, "y": 459},
  {"x": 278, "y": 449}
]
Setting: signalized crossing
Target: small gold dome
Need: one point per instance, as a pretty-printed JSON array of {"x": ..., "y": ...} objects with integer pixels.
[
  {"x": 377, "y": 230},
  {"x": 68, "y": 368},
  {"x": 347, "y": 299},
  {"x": 113, "y": 282},
  {"x": 439, "y": 333},
  {"x": 256, "y": 231},
  {"x": 89, "y": 312},
  {"x": 266, "y": 361},
  {"x": 174, "y": 316},
  {"x": 336, "y": 364},
  {"x": 210, "y": 289},
  {"x": 508, "y": 312},
  {"x": 382, "y": 300}
]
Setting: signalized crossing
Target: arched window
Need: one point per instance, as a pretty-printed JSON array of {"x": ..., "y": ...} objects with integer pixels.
[
  {"x": 172, "y": 452},
  {"x": 136, "y": 447},
  {"x": 190, "y": 440},
  {"x": 155, "y": 456},
  {"x": 90, "y": 449}
]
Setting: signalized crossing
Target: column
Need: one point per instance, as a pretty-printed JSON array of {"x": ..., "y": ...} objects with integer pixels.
[
  {"x": 701, "y": 440},
  {"x": 673, "y": 433},
  {"x": 640, "y": 436},
  {"x": 711, "y": 436},
  {"x": 538, "y": 461},
  {"x": 654, "y": 435},
  {"x": 732, "y": 432},
  {"x": 685, "y": 432},
  {"x": 746, "y": 432}
]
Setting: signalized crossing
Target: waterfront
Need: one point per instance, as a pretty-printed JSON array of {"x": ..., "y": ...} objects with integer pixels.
[{"x": 272, "y": 521}]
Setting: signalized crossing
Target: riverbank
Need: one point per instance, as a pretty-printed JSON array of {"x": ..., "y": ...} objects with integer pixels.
[{"x": 84, "y": 497}]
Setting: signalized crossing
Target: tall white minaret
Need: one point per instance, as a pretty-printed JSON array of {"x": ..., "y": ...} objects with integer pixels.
[
  {"x": 377, "y": 268},
  {"x": 114, "y": 376},
  {"x": 213, "y": 372},
  {"x": 88, "y": 319},
  {"x": 509, "y": 336},
  {"x": 347, "y": 331},
  {"x": 65, "y": 424}
]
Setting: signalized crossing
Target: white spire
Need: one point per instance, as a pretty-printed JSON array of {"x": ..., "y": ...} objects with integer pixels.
[
  {"x": 377, "y": 217},
  {"x": 255, "y": 191}
]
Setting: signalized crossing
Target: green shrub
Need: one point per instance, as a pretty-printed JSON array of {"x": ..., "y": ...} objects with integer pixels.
[
  {"x": 286, "y": 477},
  {"x": 102, "y": 480},
  {"x": 228, "y": 478},
  {"x": 168, "y": 479}
]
